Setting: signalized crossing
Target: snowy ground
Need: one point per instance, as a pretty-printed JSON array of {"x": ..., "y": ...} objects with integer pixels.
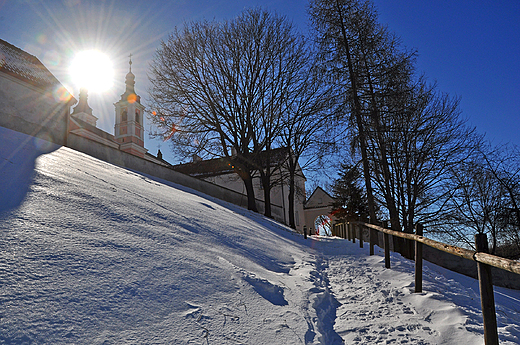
[{"x": 94, "y": 254}]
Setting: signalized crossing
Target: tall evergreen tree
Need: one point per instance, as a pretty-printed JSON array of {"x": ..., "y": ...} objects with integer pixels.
[{"x": 351, "y": 203}]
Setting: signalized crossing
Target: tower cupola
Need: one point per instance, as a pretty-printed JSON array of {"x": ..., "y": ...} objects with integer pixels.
[
  {"x": 82, "y": 110},
  {"x": 130, "y": 85},
  {"x": 129, "y": 128}
]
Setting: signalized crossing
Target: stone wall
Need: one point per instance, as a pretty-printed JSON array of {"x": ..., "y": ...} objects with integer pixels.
[
  {"x": 456, "y": 263},
  {"x": 469, "y": 267}
]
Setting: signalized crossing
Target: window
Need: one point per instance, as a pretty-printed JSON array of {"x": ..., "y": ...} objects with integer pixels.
[
  {"x": 137, "y": 119},
  {"x": 124, "y": 116}
]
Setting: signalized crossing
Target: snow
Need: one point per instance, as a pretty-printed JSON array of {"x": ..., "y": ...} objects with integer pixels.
[{"x": 91, "y": 253}]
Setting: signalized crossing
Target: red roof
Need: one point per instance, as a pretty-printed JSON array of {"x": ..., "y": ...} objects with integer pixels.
[{"x": 24, "y": 66}]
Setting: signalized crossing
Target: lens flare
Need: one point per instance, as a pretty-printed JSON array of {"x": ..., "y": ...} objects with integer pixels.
[
  {"x": 61, "y": 94},
  {"x": 41, "y": 38},
  {"x": 172, "y": 131},
  {"x": 132, "y": 98},
  {"x": 43, "y": 142},
  {"x": 52, "y": 58}
]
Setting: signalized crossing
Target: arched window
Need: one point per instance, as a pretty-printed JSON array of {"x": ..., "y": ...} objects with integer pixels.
[
  {"x": 137, "y": 119},
  {"x": 124, "y": 116}
]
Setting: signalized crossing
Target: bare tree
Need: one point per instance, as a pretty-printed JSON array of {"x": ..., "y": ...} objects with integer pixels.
[
  {"x": 476, "y": 204},
  {"x": 219, "y": 88},
  {"x": 484, "y": 198},
  {"x": 425, "y": 139},
  {"x": 306, "y": 129},
  {"x": 504, "y": 164},
  {"x": 408, "y": 135}
]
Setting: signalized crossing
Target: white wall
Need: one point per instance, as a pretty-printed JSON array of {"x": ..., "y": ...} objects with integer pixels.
[
  {"x": 279, "y": 195},
  {"x": 33, "y": 110}
]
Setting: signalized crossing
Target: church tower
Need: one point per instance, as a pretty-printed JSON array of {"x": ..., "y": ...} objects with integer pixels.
[
  {"x": 129, "y": 129},
  {"x": 82, "y": 110}
]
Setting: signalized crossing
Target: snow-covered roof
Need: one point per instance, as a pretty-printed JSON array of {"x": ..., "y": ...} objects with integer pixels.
[
  {"x": 22, "y": 65},
  {"x": 319, "y": 198},
  {"x": 225, "y": 165}
]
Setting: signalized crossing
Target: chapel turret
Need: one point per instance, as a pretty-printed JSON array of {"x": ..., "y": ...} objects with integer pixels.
[
  {"x": 129, "y": 128},
  {"x": 82, "y": 110}
]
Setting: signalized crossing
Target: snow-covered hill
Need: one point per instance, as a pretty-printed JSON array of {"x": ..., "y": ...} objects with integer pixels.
[{"x": 91, "y": 253}]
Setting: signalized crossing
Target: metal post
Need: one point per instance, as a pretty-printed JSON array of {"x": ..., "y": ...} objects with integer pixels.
[
  {"x": 487, "y": 299},
  {"x": 418, "y": 259},
  {"x": 305, "y": 231}
]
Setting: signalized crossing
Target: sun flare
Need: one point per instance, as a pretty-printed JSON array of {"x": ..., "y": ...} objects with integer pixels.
[{"x": 93, "y": 70}]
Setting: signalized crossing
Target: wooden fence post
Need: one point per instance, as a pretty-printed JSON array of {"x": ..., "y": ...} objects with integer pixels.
[
  {"x": 418, "y": 258},
  {"x": 372, "y": 239},
  {"x": 386, "y": 241},
  {"x": 361, "y": 229},
  {"x": 487, "y": 299}
]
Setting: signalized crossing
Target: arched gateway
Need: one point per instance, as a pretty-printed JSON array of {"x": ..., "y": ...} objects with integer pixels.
[{"x": 318, "y": 211}]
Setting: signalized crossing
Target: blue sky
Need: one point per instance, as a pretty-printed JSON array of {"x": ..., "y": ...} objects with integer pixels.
[{"x": 470, "y": 48}]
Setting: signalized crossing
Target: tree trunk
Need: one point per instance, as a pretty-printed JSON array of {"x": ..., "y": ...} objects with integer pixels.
[
  {"x": 292, "y": 193},
  {"x": 251, "y": 202},
  {"x": 359, "y": 120},
  {"x": 266, "y": 184},
  {"x": 383, "y": 162}
]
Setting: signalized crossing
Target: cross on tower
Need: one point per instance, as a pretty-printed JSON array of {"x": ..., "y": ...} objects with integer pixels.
[{"x": 130, "y": 62}]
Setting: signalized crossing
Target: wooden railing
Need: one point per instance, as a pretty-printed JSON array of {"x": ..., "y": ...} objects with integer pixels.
[{"x": 485, "y": 261}]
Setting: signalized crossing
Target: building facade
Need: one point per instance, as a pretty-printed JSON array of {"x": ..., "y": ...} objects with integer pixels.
[
  {"x": 32, "y": 100},
  {"x": 220, "y": 171}
]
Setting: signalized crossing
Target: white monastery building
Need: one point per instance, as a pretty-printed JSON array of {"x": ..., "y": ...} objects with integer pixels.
[{"x": 34, "y": 102}]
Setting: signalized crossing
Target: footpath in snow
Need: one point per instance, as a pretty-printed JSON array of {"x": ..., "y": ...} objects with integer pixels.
[
  {"x": 377, "y": 306},
  {"x": 91, "y": 253}
]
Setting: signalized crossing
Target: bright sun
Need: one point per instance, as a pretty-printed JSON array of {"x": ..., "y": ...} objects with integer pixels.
[{"x": 93, "y": 70}]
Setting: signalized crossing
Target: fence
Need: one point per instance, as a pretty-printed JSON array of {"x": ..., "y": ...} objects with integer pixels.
[{"x": 485, "y": 261}]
